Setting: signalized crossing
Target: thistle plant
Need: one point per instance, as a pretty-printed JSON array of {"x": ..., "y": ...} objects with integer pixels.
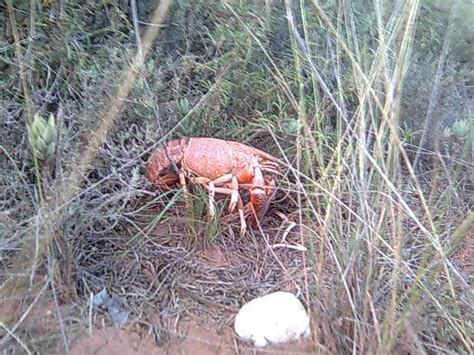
[
  {"x": 463, "y": 132},
  {"x": 42, "y": 137},
  {"x": 461, "y": 128}
]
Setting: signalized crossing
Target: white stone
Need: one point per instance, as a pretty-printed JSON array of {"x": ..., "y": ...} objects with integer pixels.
[{"x": 272, "y": 319}]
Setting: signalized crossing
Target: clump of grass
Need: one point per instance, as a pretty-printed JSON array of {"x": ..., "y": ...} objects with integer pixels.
[{"x": 366, "y": 209}]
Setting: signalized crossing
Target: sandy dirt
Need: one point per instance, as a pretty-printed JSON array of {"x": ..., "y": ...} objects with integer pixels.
[
  {"x": 189, "y": 337},
  {"x": 196, "y": 339}
]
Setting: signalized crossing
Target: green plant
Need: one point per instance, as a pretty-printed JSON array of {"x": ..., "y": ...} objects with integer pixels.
[
  {"x": 461, "y": 129},
  {"x": 183, "y": 107},
  {"x": 42, "y": 136}
]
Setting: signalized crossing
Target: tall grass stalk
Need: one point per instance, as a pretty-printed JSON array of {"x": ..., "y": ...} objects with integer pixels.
[
  {"x": 379, "y": 229},
  {"x": 20, "y": 59}
]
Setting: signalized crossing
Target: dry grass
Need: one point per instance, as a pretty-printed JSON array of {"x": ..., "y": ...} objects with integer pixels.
[{"x": 379, "y": 251}]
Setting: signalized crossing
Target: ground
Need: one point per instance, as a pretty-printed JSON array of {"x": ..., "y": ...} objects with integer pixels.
[
  {"x": 192, "y": 338},
  {"x": 189, "y": 333}
]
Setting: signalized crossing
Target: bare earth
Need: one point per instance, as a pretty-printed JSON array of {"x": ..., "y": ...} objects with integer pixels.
[{"x": 198, "y": 339}]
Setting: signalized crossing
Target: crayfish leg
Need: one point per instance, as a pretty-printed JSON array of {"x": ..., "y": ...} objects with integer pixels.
[
  {"x": 258, "y": 196},
  {"x": 240, "y": 204},
  {"x": 243, "y": 224},
  {"x": 235, "y": 194},
  {"x": 187, "y": 196},
  {"x": 211, "y": 192}
]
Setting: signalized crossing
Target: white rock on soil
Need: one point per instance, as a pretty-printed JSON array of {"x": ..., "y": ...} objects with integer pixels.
[{"x": 275, "y": 318}]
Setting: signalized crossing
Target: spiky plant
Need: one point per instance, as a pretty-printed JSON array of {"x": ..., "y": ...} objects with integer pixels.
[{"x": 42, "y": 136}]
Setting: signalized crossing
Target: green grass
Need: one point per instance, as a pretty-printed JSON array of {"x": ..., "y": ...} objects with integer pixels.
[{"x": 340, "y": 91}]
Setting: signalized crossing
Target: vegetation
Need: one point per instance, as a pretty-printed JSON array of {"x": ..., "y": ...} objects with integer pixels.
[{"x": 367, "y": 104}]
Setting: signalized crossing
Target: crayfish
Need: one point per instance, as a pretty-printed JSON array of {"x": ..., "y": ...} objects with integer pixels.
[{"x": 223, "y": 167}]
